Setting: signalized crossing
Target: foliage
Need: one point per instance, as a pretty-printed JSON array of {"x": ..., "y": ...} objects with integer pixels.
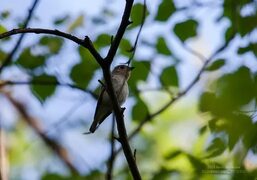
[{"x": 224, "y": 113}]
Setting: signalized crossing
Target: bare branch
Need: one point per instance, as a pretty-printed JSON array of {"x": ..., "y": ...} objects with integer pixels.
[
  {"x": 3, "y": 156},
  {"x": 46, "y": 83},
  {"x": 85, "y": 43},
  {"x": 26, "y": 22},
  {"x": 109, "y": 87},
  {"x": 34, "y": 124},
  {"x": 123, "y": 25}
]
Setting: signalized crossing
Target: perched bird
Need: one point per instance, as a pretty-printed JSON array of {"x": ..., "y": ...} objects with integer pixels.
[{"x": 120, "y": 76}]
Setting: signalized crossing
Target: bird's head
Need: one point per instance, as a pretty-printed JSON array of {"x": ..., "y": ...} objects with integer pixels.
[{"x": 122, "y": 70}]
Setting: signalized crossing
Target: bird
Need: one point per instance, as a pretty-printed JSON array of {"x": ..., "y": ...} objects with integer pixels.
[{"x": 119, "y": 77}]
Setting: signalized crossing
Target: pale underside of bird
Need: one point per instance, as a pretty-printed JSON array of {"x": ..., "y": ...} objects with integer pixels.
[{"x": 120, "y": 75}]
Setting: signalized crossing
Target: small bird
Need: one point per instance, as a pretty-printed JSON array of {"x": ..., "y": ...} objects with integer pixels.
[{"x": 120, "y": 76}]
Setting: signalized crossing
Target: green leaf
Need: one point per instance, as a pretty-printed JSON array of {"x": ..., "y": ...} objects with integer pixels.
[
  {"x": 139, "y": 111},
  {"x": 197, "y": 164},
  {"x": 165, "y": 10},
  {"x": 217, "y": 147},
  {"x": 79, "y": 21},
  {"x": 102, "y": 40},
  {"x": 137, "y": 14},
  {"x": 125, "y": 47},
  {"x": 216, "y": 65},
  {"x": 173, "y": 154},
  {"x": 140, "y": 73},
  {"x": 29, "y": 61},
  {"x": 61, "y": 20},
  {"x": 2, "y": 55},
  {"x": 5, "y": 14},
  {"x": 161, "y": 47},
  {"x": 54, "y": 44},
  {"x": 186, "y": 29},
  {"x": 252, "y": 47},
  {"x": 235, "y": 89},
  {"x": 83, "y": 72},
  {"x": 207, "y": 102},
  {"x": 43, "y": 92},
  {"x": 2, "y": 29},
  {"x": 169, "y": 77}
]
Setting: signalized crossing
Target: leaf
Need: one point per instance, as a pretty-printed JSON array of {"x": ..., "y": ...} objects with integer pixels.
[
  {"x": 207, "y": 102},
  {"x": 141, "y": 72},
  {"x": 102, "y": 40},
  {"x": 77, "y": 23},
  {"x": 161, "y": 47},
  {"x": 82, "y": 72},
  {"x": 186, "y": 29},
  {"x": 173, "y": 154},
  {"x": 235, "y": 89},
  {"x": 54, "y": 44},
  {"x": 43, "y": 92},
  {"x": 165, "y": 10},
  {"x": 29, "y": 61},
  {"x": 217, "y": 147},
  {"x": 140, "y": 110},
  {"x": 169, "y": 77},
  {"x": 216, "y": 65},
  {"x": 5, "y": 14},
  {"x": 137, "y": 14},
  {"x": 197, "y": 164},
  {"x": 125, "y": 47},
  {"x": 61, "y": 20},
  {"x": 252, "y": 47},
  {"x": 2, "y": 29}
]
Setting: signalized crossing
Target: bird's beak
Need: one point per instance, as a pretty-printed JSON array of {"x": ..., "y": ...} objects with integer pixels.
[{"x": 131, "y": 68}]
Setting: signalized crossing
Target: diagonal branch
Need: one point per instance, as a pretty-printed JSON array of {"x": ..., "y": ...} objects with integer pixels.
[
  {"x": 123, "y": 25},
  {"x": 181, "y": 94},
  {"x": 85, "y": 43},
  {"x": 26, "y": 22},
  {"x": 34, "y": 124}
]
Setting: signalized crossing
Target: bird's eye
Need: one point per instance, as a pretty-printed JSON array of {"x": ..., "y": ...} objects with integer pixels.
[{"x": 122, "y": 67}]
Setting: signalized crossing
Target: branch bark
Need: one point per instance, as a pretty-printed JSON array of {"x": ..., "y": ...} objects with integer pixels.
[
  {"x": 83, "y": 42},
  {"x": 3, "y": 156}
]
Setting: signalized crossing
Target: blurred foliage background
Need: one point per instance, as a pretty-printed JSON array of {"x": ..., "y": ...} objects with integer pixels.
[{"x": 210, "y": 130}]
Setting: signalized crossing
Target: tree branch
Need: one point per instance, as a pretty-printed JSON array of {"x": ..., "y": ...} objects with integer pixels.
[
  {"x": 26, "y": 22},
  {"x": 116, "y": 108},
  {"x": 123, "y": 25},
  {"x": 111, "y": 159},
  {"x": 3, "y": 156},
  {"x": 34, "y": 123},
  {"x": 85, "y": 43},
  {"x": 46, "y": 83}
]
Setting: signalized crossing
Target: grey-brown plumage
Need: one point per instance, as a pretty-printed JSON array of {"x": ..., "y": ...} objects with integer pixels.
[{"x": 120, "y": 76}]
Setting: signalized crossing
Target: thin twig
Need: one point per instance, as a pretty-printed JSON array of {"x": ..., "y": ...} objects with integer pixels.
[
  {"x": 138, "y": 34},
  {"x": 8, "y": 59},
  {"x": 46, "y": 83}
]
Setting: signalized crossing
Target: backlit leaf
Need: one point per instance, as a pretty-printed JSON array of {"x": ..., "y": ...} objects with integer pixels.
[
  {"x": 43, "y": 92},
  {"x": 169, "y": 77},
  {"x": 165, "y": 10},
  {"x": 186, "y": 29}
]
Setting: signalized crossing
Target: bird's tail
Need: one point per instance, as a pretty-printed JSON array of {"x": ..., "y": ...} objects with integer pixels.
[{"x": 93, "y": 126}]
